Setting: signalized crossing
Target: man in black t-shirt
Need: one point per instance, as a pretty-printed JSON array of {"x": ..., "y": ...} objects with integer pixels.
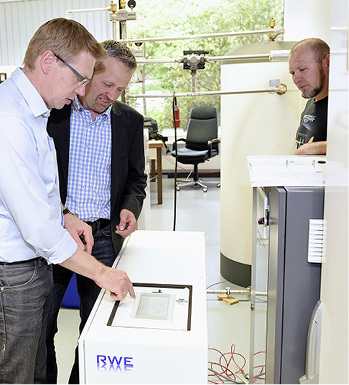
[{"x": 309, "y": 66}]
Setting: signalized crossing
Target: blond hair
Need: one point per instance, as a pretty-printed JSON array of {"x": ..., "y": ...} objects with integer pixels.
[{"x": 66, "y": 38}]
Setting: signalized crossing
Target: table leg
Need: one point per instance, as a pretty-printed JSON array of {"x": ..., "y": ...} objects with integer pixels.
[
  {"x": 152, "y": 170},
  {"x": 159, "y": 174}
]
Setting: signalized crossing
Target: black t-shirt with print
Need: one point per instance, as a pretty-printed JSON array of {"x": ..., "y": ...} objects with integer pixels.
[{"x": 313, "y": 122}]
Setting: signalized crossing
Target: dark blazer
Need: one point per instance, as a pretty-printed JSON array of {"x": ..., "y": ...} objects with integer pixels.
[{"x": 128, "y": 180}]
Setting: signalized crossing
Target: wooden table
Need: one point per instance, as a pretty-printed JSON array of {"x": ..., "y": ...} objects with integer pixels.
[{"x": 158, "y": 144}]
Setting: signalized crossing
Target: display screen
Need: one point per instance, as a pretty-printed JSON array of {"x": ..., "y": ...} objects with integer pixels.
[{"x": 155, "y": 307}]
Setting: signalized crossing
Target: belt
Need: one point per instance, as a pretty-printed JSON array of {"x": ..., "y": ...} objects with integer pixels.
[
  {"x": 99, "y": 224},
  {"x": 25, "y": 261}
]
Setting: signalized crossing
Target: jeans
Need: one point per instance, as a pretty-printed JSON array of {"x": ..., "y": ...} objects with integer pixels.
[
  {"x": 24, "y": 301},
  {"x": 88, "y": 292}
]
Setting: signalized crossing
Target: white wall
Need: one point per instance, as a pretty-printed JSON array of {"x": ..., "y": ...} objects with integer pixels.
[
  {"x": 307, "y": 18},
  {"x": 20, "y": 19}
]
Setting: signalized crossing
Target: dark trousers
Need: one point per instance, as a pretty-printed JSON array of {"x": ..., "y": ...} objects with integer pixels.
[
  {"x": 88, "y": 293},
  {"x": 24, "y": 303}
]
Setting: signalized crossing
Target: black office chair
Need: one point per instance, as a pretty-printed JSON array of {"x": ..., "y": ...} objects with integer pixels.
[{"x": 201, "y": 143}]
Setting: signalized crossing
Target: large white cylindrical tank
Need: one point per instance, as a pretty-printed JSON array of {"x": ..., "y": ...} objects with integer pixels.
[{"x": 251, "y": 124}]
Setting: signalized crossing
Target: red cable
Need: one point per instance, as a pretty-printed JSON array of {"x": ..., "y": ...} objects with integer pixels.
[{"x": 225, "y": 360}]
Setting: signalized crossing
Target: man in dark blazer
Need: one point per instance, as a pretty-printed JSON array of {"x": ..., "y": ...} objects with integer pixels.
[{"x": 100, "y": 156}]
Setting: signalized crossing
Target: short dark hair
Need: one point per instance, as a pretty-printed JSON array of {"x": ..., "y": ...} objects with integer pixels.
[
  {"x": 120, "y": 52},
  {"x": 320, "y": 48},
  {"x": 66, "y": 38}
]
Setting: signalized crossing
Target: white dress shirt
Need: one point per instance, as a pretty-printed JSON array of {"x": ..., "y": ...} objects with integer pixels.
[{"x": 30, "y": 207}]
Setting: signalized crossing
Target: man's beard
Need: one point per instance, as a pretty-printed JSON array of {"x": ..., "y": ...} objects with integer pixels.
[
  {"x": 98, "y": 107},
  {"x": 317, "y": 90}
]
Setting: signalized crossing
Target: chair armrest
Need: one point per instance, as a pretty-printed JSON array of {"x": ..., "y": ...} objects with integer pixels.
[
  {"x": 174, "y": 145},
  {"x": 210, "y": 143}
]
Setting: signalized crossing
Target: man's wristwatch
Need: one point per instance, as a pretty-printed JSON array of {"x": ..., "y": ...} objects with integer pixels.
[{"x": 67, "y": 211}]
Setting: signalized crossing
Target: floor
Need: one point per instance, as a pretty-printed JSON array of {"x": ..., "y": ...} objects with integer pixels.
[{"x": 228, "y": 325}]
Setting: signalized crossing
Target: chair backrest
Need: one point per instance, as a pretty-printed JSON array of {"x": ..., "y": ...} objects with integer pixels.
[{"x": 202, "y": 127}]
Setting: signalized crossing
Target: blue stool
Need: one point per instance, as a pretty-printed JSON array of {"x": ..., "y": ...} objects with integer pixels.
[{"x": 71, "y": 296}]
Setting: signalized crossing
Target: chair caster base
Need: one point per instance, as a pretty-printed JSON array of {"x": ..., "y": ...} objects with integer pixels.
[{"x": 191, "y": 184}]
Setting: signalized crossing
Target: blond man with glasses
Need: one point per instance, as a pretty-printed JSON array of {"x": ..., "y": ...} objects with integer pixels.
[{"x": 35, "y": 230}]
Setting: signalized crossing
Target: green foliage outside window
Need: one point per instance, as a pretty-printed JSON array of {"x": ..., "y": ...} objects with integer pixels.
[{"x": 157, "y": 18}]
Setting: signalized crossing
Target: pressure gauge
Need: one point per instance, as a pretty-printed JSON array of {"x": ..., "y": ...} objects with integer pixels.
[{"x": 131, "y": 3}]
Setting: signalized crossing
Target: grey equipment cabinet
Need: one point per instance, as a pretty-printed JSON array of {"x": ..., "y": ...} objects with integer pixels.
[{"x": 285, "y": 287}]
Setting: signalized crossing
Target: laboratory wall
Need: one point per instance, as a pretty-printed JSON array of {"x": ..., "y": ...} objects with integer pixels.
[
  {"x": 309, "y": 18},
  {"x": 20, "y": 19}
]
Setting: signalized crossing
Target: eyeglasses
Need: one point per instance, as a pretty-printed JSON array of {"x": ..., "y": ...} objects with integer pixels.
[{"x": 83, "y": 81}]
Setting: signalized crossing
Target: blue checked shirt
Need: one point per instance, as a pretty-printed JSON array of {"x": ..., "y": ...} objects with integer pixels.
[{"x": 88, "y": 194}]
